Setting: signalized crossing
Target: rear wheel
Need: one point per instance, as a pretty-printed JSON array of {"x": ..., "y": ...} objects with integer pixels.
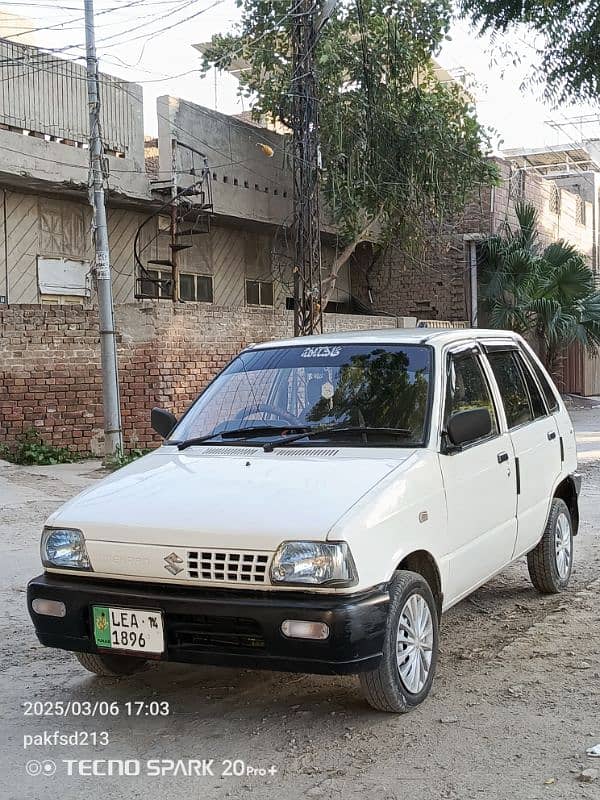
[
  {"x": 405, "y": 673},
  {"x": 110, "y": 666},
  {"x": 551, "y": 561}
]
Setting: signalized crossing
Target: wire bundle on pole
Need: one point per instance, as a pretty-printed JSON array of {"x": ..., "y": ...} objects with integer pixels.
[{"x": 305, "y": 124}]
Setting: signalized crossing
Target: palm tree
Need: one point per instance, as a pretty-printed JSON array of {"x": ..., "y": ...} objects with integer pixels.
[{"x": 547, "y": 294}]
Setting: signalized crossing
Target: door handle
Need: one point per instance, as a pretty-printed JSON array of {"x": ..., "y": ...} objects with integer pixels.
[
  {"x": 502, "y": 457},
  {"x": 551, "y": 435}
]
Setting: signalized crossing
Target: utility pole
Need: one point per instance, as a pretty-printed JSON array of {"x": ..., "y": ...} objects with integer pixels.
[
  {"x": 308, "y": 316},
  {"x": 174, "y": 227},
  {"x": 173, "y": 231},
  {"x": 113, "y": 437}
]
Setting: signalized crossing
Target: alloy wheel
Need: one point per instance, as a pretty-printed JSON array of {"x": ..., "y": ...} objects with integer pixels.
[
  {"x": 414, "y": 643},
  {"x": 562, "y": 546}
]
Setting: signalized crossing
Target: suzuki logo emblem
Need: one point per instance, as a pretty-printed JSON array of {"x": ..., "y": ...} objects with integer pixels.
[{"x": 173, "y": 562}]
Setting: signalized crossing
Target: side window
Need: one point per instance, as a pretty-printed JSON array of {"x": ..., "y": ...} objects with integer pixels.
[
  {"x": 512, "y": 388},
  {"x": 547, "y": 389},
  {"x": 537, "y": 403},
  {"x": 467, "y": 388}
]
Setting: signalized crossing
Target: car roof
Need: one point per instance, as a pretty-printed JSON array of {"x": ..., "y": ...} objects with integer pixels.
[{"x": 437, "y": 337}]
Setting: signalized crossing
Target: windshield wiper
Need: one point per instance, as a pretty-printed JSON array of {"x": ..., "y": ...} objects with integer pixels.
[
  {"x": 405, "y": 433},
  {"x": 256, "y": 430}
]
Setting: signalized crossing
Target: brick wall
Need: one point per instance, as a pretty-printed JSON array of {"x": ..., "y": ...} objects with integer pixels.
[
  {"x": 50, "y": 363},
  {"x": 430, "y": 281},
  {"x": 433, "y": 282}
]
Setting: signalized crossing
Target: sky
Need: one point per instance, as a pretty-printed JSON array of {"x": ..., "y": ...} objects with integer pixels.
[{"x": 136, "y": 42}]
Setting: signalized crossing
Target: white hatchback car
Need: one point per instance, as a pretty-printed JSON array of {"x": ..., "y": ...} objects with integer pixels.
[{"x": 317, "y": 508}]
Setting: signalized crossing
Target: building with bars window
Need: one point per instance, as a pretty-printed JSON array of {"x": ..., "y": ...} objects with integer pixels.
[
  {"x": 226, "y": 249},
  {"x": 236, "y": 255}
]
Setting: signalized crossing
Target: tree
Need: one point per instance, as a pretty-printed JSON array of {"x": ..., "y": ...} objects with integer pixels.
[
  {"x": 569, "y": 56},
  {"x": 548, "y": 293},
  {"x": 377, "y": 389},
  {"x": 398, "y": 147}
]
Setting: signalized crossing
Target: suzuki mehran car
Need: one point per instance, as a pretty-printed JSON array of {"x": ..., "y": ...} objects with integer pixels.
[{"x": 317, "y": 509}]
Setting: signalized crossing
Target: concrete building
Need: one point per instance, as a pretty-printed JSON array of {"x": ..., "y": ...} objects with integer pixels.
[
  {"x": 235, "y": 275},
  {"x": 45, "y": 216},
  {"x": 247, "y": 257},
  {"x": 439, "y": 281},
  {"x": 235, "y": 262},
  {"x": 574, "y": 169},
  {"x": 240, "y": 257}
]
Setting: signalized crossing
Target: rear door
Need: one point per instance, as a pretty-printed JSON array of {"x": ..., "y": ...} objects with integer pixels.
[
  {"x": 479, "y": 483},
  {"x": 535, "y": 440}
]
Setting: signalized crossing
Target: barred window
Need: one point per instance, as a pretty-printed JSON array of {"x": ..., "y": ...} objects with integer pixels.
[
  {"x": 259, "y": 293},
  {"x": 198, "y": 288},
  {"x": 154, "y": 283}
]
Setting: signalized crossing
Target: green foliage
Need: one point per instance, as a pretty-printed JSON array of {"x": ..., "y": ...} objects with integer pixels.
[
  {"x": 398, "y": 146},
  {"x": 377, "y": 390},
  {"x": 121, "y": 458},
  {"x": 549, "y": 292},
  {"x": 30, "y": 449},
  {"x": 570, "y": 29}
]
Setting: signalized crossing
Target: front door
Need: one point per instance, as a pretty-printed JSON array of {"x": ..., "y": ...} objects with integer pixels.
[
  {"x": 536, "y": 442},
  {"x": 479, "y": 482}
]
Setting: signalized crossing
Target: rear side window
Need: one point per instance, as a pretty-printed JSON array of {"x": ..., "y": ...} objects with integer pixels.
[
  {"x": 544, "y": 383},
  {"x": 512, "y": 387},
  {"x": 537, "y": 403},
  {"x": 467, "y": 388}
]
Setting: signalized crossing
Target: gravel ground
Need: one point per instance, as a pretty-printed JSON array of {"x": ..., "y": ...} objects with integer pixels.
[{"x": 513, "y": 709}]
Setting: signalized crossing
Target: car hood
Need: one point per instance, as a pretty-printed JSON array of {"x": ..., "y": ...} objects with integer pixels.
[{"x": 228, "y": 497}]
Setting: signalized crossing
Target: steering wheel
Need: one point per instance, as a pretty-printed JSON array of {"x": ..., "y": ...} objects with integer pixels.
[{"x": 265, "y": 408}]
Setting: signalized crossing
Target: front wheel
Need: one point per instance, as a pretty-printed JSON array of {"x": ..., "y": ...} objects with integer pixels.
[
  {"x": 110, "y": 666},
  {"x": 405, "y": 674},
  {"x": 551, "y": 561}
]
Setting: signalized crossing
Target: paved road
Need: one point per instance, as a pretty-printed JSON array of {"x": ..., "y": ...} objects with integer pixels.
[
  {"x": 587, "y": 430},
  {"x": 514, "y": 706}
]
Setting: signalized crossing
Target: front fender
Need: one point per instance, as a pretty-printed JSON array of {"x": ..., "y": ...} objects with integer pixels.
[{"x": 404, "y": 513}]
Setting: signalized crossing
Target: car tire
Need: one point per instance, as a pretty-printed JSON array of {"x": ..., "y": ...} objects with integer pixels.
[
  {"x": 405, "y": 674},
  {"x": 110, "y": 666},
  {"x": 551, "y": 561}
]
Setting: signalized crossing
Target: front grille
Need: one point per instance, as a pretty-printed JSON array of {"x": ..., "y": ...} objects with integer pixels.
[
  {"x": 227, "y": 566},
  {"x": 202, "y": 632}
]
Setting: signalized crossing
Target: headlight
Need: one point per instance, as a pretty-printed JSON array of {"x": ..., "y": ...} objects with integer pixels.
[
  {"x": 64, "y": 547},
  {"x": 315, "y": 563}
]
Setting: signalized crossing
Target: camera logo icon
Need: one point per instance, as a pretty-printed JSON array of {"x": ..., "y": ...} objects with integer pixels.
[{"x": 35, "y": 768}]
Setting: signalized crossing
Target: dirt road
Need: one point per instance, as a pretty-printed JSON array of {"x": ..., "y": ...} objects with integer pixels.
[{"x": 514, "y": 707}]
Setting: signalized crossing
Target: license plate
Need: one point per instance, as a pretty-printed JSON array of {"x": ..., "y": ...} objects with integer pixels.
[{"x": 132, "y": 629}]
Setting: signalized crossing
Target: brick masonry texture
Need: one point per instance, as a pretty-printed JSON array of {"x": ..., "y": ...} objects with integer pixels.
[
  {"x": 50, "y": 364},
  {"x": 434, "y": 282}
]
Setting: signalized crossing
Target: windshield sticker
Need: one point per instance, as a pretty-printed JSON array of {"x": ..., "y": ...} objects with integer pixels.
[
  {"x": 327, "y": 391},
  {"x": 320, "y": 352}
]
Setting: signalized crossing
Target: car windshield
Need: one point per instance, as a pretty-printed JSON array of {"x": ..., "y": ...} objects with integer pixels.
[{"x": 273, "y": 392}]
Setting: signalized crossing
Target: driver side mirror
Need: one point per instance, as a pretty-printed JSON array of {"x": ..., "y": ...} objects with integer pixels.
[
  {"x": 468, "y": 426},
  {"x": 162, "y": 421}
]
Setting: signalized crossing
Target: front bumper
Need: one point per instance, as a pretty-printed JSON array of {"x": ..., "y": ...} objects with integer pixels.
[{"x": 225, "y": 627}]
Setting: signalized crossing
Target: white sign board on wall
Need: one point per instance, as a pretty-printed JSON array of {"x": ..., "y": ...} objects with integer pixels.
[{"x": 64, "y": 276}]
